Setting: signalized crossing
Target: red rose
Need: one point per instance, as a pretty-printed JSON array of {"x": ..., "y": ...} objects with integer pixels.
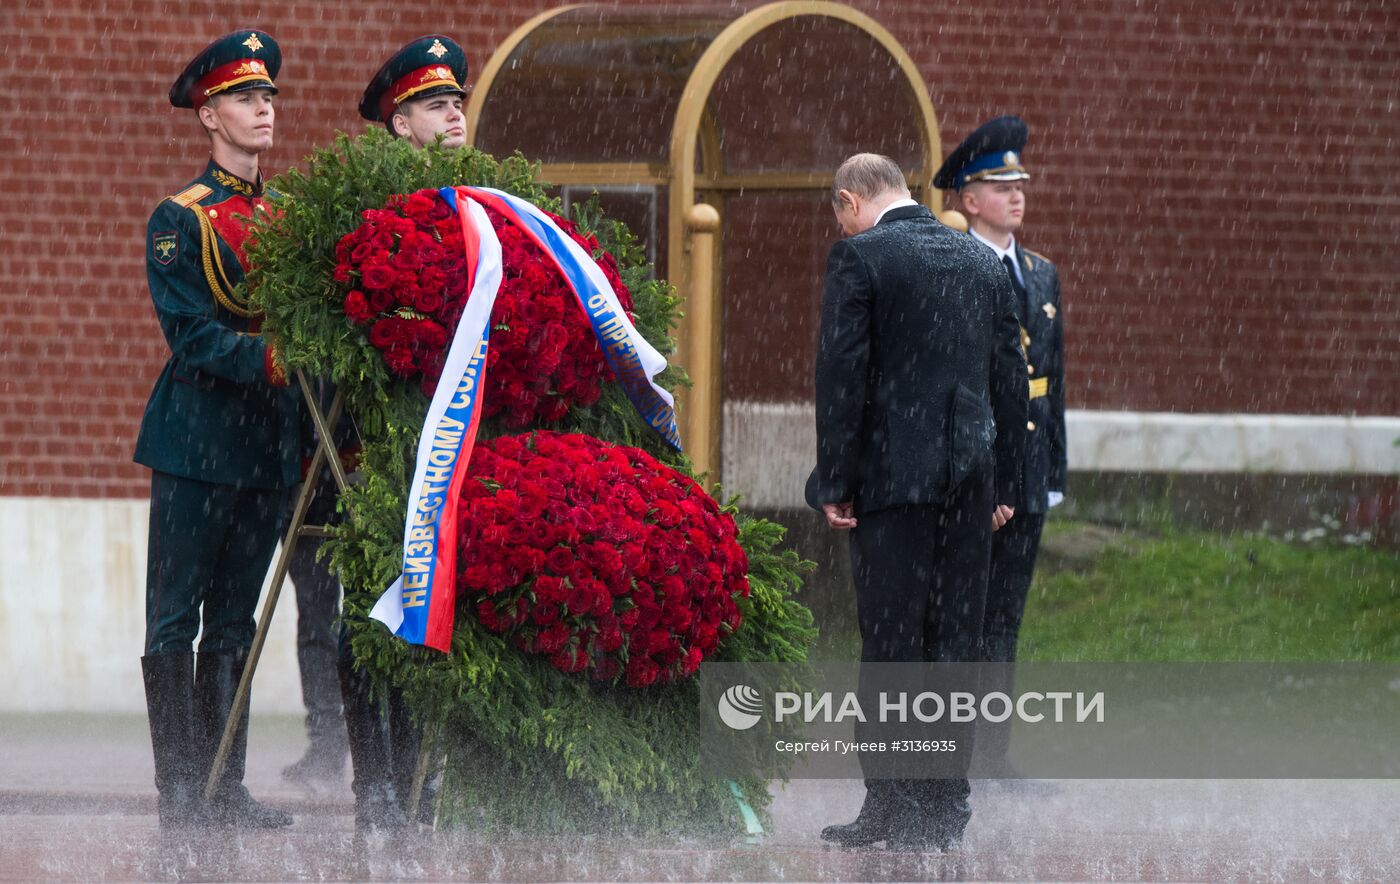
[
  {"x": 380, "y": 301},
  {"x": 377, "y": 277},
  {"x": 544, "y": 614},
  {"x": 419, "y": 207},
  {"x": 400, "y": 361},
  {"x": 383, "y": 333},
  {"x": 641, "y": 672},
  {"x": 429, "y": 301},
  {"x": 560, "y": 561},
  {"x": 357, "y": 308},
  {"x": 362, "y": 252},
  {"x": 407, "y": 261},
  {"x": 552, "y": 638}
]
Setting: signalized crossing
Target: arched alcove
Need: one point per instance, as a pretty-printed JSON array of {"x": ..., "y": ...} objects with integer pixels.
[{"x": 746, "y": 110}]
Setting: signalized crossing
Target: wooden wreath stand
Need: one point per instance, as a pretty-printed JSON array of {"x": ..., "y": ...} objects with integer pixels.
[{"x": 326, "y": 454}]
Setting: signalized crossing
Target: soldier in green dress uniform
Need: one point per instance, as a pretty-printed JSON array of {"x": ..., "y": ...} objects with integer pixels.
[
  {"x": 220, "y": 434},
  {"x": 417, "y": 95}
]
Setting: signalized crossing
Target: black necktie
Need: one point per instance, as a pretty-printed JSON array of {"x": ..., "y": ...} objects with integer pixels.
[{"x": 1010, "y": 266}]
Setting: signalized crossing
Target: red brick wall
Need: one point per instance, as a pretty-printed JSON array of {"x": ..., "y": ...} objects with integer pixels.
[{"x": 1217, "y": 181}]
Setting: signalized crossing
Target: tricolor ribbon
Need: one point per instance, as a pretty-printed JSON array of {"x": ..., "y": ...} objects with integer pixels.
[
  {"x": 418, "y": 606},
  {"x": 633, "y": 360}
]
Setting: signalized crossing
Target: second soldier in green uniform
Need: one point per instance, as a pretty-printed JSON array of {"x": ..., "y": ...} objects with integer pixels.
[{"x": 417, "y": 95}]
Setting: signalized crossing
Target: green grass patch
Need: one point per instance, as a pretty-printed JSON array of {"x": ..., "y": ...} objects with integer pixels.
[{"x": 1193, "y": 596}]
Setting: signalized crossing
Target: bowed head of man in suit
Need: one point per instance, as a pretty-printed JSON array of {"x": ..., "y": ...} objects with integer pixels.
[{"x": 920, "y": 417}]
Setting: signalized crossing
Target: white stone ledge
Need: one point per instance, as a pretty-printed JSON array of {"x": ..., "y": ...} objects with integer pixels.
[
  {"x": 72, "y": 611},
  {"x": 1128, "y": 441},
  {"x": 770, "y": 447}
]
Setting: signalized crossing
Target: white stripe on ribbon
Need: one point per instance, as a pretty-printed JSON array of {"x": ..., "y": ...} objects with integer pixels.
[{"x": 468, "y": 344}]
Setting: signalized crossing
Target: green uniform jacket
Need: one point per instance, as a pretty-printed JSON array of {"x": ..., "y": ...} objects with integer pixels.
[{"x": 215, "y": 414}]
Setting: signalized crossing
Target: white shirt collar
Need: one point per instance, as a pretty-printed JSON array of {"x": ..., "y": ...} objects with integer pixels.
[
  {"x": 1002, "y": 253},
  {"x": 897, "y": 204}
]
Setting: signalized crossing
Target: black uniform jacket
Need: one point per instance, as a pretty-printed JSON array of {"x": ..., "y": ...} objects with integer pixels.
[
  {"x": 1046, "y": 463},
  {"x": 920, "y": 377}
]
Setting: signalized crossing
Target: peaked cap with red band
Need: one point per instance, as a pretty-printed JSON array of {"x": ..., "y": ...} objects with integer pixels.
[
  {"x": 236, "y": 62},
  {"x": 428, "y": 66}
]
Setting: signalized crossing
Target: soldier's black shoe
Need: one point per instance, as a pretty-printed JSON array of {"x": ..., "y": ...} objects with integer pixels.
[
  {"x": 377, "y": 809},
  {"x": 169, "y": 680},
  {"x": 322, "y": 765},
  {"x": 235, "y": 807},
  {"x": 181, "y": 806},
  {"x": 859, "y": 833},
  {"x": 871, "y": 825}
]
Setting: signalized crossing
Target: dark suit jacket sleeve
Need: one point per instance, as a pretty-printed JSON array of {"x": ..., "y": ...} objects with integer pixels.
[
  {"x": 186, "y": 309},
  {"x": 1010, "y": 394},
  {"x": 1059, "y": 451},
  {"x": 843, "y": 358}
]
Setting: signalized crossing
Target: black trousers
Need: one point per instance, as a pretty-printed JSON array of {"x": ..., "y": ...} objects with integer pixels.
[
  {"x": 318, "y": 607},
  {"x": 210, "y": 546},
  {"x": 920, "y": 575},
  {"x": 1014, "y": 550}
]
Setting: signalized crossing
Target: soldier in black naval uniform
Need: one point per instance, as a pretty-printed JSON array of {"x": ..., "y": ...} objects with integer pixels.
[
  {"x": 220, "y": 434},
  {"x": 987, "y": 172},
  {"x": 417, "y": 95}
]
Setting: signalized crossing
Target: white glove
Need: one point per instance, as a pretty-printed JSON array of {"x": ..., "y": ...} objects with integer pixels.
[{"x": 1054, "y": 499}]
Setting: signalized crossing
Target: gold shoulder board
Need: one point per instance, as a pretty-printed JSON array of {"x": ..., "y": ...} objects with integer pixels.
[
  {"x": 191, "y": 195},
  {"x": 1038, "y": 255}
]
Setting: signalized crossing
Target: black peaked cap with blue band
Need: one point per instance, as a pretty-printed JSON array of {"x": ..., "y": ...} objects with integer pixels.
[
  {"x": 428, "y": 66},
  {"x": 991, "y": 153},
  {"x": 236, "y": 62}
]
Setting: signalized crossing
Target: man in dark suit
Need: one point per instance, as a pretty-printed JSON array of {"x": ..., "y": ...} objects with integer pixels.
[
  {"x": 921, "y": 415},
  {"x": 987, "y": 172}
]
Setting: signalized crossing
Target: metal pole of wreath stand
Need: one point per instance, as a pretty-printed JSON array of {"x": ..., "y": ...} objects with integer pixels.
[{"x": 325, "y": 453}]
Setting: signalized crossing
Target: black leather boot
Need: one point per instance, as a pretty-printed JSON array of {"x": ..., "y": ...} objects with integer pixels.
[
  {"x": 376, "y": 801},
  {"x": 872, "y": 824},
  {"x": 930, "y": 815},
  {"x": 324, "y": 761},
  {"x": 216, "y": 681},
  {"x": 169, "y": 680},
  {"x": 406, "y": 738}
]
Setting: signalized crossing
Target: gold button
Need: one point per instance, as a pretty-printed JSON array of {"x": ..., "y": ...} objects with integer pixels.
[
  {"x": 1030, "y": 425},
  {"x": 1030, "y": 369},
  {"x": 213, "y": 213}
]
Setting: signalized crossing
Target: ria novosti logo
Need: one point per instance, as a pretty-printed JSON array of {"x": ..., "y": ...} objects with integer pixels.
[{"x": 741, "y": 707}]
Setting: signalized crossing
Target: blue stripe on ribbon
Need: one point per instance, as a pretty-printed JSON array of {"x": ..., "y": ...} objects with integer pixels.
[{"x": 653, "y": 409}]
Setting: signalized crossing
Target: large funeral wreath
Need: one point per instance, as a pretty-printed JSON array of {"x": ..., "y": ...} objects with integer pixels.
[{"x": 595, "y": 572}]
